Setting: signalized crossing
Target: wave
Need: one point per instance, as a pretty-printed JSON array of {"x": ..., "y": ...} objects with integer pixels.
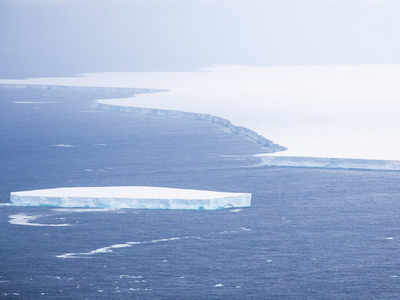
[{"x": 110, "y": 249}]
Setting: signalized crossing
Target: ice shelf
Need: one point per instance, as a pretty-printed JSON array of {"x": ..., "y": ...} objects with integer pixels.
[
  {"x": 130, "y": 197},
  {"x": 328, "y": 163}
]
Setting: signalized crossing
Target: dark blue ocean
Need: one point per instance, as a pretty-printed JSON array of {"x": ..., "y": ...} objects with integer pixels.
[{"x": 310, "y": 233}]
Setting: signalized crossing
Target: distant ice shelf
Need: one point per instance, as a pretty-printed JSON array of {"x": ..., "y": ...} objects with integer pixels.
[
  {"x": 327, "y": 162},
  {"x": 142, "y": 197}
]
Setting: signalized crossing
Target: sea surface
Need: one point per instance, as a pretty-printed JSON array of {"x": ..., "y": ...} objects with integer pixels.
[{"x": 310, "y": 234}]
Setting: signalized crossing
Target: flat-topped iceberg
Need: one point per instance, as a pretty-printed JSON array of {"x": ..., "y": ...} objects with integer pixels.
[{"x": 130, "y": 197}]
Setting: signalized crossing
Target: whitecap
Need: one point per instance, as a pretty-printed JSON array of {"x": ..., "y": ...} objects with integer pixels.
[
  {"x": 109, "y": 249},
  {"x": 218, "y": 285}
]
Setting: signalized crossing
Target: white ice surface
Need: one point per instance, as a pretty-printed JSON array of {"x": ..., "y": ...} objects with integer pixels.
[
  {"x": 284, "y": 159},
  {"x": 316, "y": 111},
  {"x": 130, "y": 197}
]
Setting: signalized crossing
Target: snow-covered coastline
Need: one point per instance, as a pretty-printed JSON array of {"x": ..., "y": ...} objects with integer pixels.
[{"x": 346, "y": 112}]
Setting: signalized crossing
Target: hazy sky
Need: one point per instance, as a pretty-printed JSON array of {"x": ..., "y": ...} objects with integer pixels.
[{"x": 57, "y": 37}]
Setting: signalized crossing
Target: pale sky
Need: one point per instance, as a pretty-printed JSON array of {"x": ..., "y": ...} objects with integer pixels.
[{"x": 59, "y": 37}]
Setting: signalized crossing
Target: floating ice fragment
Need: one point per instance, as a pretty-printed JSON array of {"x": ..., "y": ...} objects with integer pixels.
[
  {"x": 245, "y": 228},
  {"x": 22, "y": 219}
]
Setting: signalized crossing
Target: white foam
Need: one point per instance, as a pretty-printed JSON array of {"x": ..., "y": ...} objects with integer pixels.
[
  {"x": 131, "y": 197},
  {"x": 109, "y": 249},
  {"x": 83, "y": 210},
  {"x": 22, "y": 219}
]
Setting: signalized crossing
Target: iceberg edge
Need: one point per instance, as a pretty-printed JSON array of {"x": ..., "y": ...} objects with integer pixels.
[{"x": 131, "y": 197}]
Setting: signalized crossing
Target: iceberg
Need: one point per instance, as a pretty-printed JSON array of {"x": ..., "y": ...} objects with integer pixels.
[{"x": 143, "y": 197}]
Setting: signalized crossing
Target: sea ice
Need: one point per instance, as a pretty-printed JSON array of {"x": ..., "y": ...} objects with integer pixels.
[{"x": 130, "y": 197}]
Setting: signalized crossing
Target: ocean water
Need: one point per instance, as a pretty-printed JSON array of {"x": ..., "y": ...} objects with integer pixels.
[{"x": 310, "y": 233}]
